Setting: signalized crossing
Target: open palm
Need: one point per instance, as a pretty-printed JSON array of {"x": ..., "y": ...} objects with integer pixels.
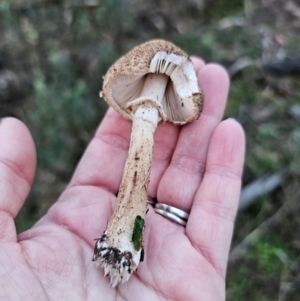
[{"x": 196, "y": 168}]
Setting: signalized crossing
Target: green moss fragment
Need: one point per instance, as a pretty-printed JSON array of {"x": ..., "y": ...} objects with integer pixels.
[{"x": 137, "y": 234}]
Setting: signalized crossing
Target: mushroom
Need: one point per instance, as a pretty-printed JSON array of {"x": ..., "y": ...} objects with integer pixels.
[{"x": 154, "y": 82}]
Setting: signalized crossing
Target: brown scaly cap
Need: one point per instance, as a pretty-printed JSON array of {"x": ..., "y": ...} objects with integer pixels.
[{"x": 123, "y": 81}]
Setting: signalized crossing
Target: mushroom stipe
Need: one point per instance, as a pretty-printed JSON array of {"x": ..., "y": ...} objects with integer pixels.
[{"x": 155, "y": 82}]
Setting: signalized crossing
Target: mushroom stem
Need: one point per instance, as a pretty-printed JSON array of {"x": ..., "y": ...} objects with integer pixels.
[{"x": 119, "y": 248}]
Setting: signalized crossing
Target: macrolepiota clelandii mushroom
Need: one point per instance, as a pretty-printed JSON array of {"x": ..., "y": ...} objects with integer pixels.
[{"x": 154, "y": 82}]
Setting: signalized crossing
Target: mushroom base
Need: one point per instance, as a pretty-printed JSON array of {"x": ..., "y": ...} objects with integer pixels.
[{"x": 117, "y": 264}]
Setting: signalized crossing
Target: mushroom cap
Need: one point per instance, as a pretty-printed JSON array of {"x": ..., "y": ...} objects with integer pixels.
[{"x": 124, "y": 80}]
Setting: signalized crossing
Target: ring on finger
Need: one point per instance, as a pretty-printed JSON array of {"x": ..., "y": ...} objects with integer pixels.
[{"x": 177, "y": 215}]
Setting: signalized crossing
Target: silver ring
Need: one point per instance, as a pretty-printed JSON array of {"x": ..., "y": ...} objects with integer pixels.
[
  {"x": 177, "y": 215},
  {"x": 173, "y": 210}
]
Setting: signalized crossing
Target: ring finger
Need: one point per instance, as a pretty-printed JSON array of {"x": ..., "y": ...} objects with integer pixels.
[{"x": 182, "y": 178}]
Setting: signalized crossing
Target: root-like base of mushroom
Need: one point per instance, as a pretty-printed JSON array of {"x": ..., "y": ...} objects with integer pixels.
[{"x": 118, "y": 264}]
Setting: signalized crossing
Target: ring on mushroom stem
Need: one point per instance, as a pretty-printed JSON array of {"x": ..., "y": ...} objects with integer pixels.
[{"x": 154, "y": 82}]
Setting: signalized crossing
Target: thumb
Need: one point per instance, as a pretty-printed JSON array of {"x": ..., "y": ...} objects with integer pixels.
[{"x": 17, "y": 168}]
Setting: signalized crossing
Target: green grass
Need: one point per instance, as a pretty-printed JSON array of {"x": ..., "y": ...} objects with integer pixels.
[{"x": 262, "y": 266}]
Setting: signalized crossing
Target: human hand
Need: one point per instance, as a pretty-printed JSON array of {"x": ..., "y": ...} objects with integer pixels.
[{"x": 196, "y": 168}]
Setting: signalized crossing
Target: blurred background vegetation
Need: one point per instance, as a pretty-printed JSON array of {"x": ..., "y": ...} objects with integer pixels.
[{"x": 53, "y": 55}]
